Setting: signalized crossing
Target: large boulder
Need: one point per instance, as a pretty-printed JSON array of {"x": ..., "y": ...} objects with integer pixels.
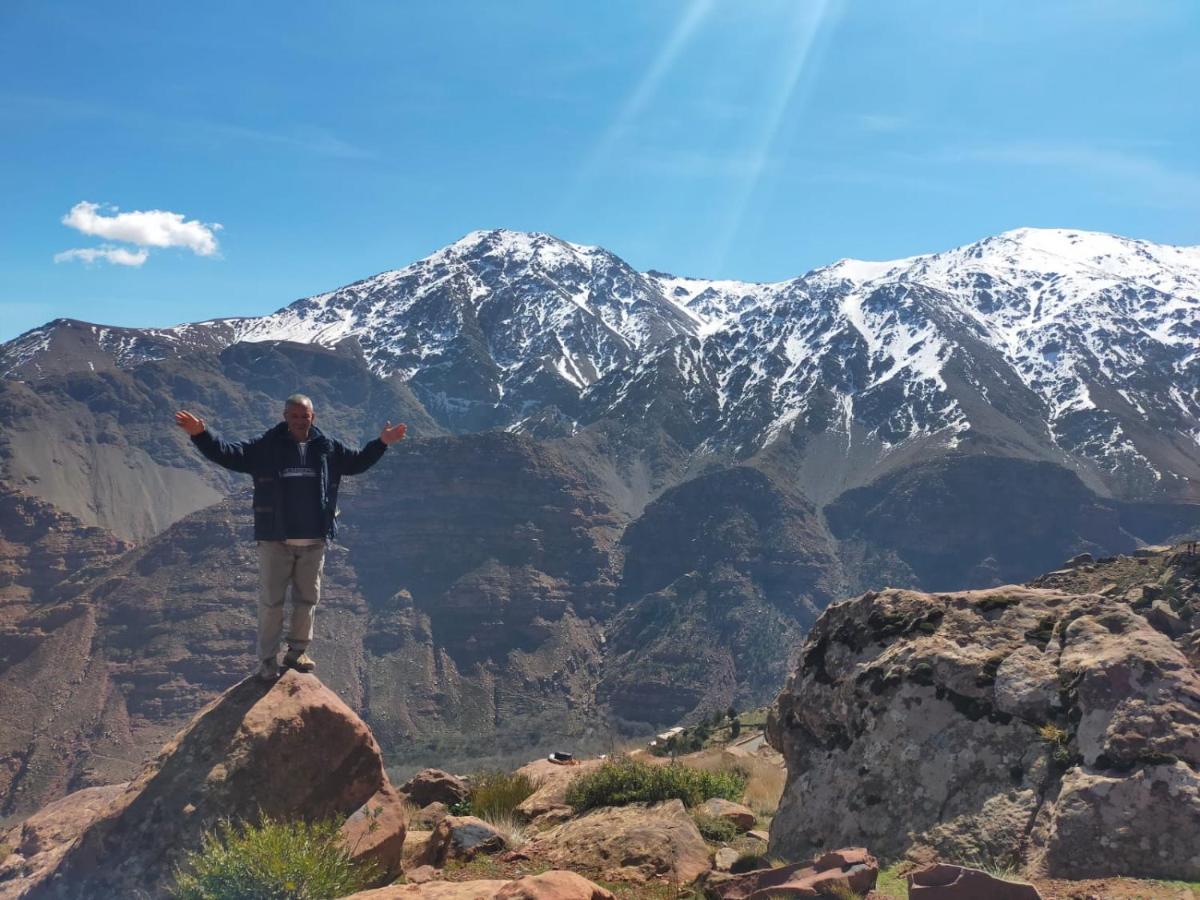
[
  {"x": 1017, "y": 725},
  {"x": 627, "y": 843},
  {"x": 434, "y": 786},
  {"x": 459, "y": 837},
  {"x": 291, "y": 750}
]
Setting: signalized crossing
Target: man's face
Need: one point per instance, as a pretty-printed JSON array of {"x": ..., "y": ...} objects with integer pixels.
[{"x": 299, "y": 418}]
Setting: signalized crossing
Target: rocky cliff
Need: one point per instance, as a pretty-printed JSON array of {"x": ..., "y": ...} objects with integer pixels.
[{"x": 1053, "y": 726}]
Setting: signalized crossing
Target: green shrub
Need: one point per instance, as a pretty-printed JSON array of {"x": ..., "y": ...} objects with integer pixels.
[
  {"x": 496, "y": 794},
  {"x": 715, "y": 829},
  {"x": 622, "y": 781},
  {"x": 271, "y": 861}
]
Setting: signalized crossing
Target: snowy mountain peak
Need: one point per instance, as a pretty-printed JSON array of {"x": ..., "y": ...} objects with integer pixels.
[{"x": 1087, "y": 343}]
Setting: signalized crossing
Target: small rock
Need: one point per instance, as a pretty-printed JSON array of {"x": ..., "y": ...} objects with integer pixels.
[
  {"x": 1083, "y": 559},
  {"x": 427, "y": 817},
  {"x": 422, "y": 874},
  {"x": 944, "y": 882},
  {"x": 759, "y": 835},
  {"x": 724, "y": 859}
]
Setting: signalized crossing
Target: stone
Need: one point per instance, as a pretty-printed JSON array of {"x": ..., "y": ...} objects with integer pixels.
[
  {"x": 1165, "y": 619},
  {"x": 434, "y": 786},
  {"x": 422, "y": 874},
  {"x": 851, "y": 870},
  {"x": 1027, "y": 683},
  {"x": 1083, "y": 559},
  {"x": 1146, "y": 821},
  {"x": 946, "y": 882},
  {"x": 553, "y": 885},
  {"x": 375, "y": 832},
  {"x": 428, "y": 816},
  {"x": 724, "y": 859},
  {"x": 742, "y": 817},
  {"x": 460, "y": 837},
  {"x": 627, "y": 843},
  {"x": 759, "y": 835},
  {"x": 1010, "y": 723},
  {"x": 289, "y": 750}
]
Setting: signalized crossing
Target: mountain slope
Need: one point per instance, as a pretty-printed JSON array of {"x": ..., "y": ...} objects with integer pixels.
[{"x": 1071, "y": 347}]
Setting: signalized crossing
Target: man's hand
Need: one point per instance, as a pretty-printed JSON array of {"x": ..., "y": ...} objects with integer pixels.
[
  {"x": 192, "y": 425},
  {"x": 392, "y": 433}
]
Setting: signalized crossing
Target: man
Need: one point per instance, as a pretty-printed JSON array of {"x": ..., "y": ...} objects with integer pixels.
[{"x": 296, "y": 473}]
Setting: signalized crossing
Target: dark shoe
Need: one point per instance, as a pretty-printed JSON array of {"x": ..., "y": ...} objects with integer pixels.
[
  {"x": 268, "y": 671},
  {"x": 298, "y": 660}
]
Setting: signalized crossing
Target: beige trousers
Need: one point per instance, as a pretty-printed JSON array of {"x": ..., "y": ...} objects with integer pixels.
[{"x": 279, "y": 565}]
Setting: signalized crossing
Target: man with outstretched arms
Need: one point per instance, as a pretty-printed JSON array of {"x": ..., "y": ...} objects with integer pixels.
[{"x": 296, "y": 472}]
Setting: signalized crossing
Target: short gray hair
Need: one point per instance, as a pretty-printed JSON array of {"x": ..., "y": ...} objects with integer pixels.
[{"x": 298, "y": 400}]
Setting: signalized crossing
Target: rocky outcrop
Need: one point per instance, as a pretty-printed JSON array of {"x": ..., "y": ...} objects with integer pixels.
[
  {"x": 1020, "y": 725},
  {"x": 291, "y": 750},
  {"x": 627, "y": 843}
]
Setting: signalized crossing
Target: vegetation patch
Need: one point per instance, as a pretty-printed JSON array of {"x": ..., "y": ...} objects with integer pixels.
[
  {"x": 494, "y": 795},
  {"x": 1058, "y": 740},
  {"x": 714, "y": 829},
  {"x": 622, "y": 781},
  {"x": 280, "y": 860},
  {"x": 996, "y": 601},
  {"x": 884, "y": 626}
]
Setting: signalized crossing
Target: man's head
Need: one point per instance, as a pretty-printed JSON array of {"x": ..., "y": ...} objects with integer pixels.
[{"x": 298, "y": 413}]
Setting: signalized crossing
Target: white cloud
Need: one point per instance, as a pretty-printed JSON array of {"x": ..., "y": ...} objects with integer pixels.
[
  {"x": 146, "y": 228},
  {"x": 118, "y": 256}
]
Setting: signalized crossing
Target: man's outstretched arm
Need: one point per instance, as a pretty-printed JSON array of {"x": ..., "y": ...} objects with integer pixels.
[
  {"x": 236, "y": 456},
  {"x": 355, "y": 462}
]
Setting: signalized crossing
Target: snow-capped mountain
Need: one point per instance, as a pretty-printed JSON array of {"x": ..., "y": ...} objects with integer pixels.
[{"x": 1076, "y": 347}]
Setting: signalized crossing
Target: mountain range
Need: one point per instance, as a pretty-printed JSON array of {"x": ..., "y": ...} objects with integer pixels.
[{"x": 624, "y": 497}]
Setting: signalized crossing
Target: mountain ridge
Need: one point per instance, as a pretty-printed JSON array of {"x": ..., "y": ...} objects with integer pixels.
[{"x": 1093, "y": 338}]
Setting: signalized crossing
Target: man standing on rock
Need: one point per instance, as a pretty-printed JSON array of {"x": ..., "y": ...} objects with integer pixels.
[{"x": 296, "y": 473}]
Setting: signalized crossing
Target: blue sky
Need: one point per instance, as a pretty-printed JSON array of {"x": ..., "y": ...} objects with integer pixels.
[{"x": 751, "y": 139}]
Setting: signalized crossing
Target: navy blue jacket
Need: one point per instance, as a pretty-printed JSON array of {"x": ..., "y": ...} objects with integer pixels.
[{"x": 263, "y": 457}]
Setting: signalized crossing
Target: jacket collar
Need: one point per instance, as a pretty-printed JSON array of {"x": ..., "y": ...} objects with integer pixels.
[{"x": 316, "y": 437}]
